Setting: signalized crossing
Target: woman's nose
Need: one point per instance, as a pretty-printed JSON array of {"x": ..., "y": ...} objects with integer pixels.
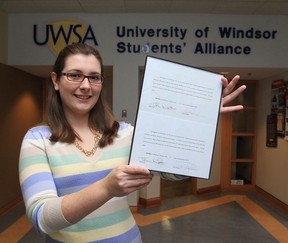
[{"x": 85, "y": 84}]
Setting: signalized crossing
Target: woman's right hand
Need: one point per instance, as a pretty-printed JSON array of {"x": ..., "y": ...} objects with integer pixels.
[
  {"x": 121, "y": 181},
  {"x": 125, "y": 179}
]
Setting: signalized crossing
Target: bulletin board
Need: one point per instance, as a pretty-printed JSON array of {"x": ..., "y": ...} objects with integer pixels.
[{"x": 278, "y": 105}]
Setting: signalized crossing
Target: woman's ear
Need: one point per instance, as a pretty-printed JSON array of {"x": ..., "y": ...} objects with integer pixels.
[{"x": 55, "y": 81}]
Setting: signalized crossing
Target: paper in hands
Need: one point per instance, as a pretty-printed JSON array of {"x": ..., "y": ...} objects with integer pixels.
[{"x": 177, "y": 119}]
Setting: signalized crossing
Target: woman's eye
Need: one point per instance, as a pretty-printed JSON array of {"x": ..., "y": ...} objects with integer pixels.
[
  {"x": 75, "y": 75},
  {"x": 95, "y": 77}
]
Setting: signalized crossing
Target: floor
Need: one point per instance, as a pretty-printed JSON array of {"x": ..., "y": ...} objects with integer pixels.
[{"x": 215, "y": 218}]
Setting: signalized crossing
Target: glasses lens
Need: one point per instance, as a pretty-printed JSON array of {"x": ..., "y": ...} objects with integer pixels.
[
  {"x": 75, "y": 77},
  {"x": 95, "y": 79}
]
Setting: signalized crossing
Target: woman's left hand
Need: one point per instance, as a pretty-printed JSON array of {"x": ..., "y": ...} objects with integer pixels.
[{"x": 230, "y": 94}]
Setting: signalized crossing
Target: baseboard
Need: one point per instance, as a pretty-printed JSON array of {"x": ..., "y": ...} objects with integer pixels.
[
  {"x": 149, "y": 203},
  {"x": 273, "y": 200},
  {"x": 6, "y": 209},
  {"x": 134, "y": 209},
  {"x": 216, "y": 188}
]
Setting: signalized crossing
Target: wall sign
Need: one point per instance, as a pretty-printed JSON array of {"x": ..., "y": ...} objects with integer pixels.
[
  {"x": 59, "y": 33},
  {"x": 183, "y": 34},
  {"x": 200, "y": 40}
]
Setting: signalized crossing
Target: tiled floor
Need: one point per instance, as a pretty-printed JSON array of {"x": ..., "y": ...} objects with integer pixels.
[
  {"x": 224, "y": 218},
  {"x": 217, "y": 217}
]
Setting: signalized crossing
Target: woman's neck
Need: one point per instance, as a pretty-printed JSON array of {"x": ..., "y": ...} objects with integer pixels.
[{"x": 79, "y": 123}]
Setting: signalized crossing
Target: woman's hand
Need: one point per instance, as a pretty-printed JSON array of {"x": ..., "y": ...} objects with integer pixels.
[
  {"x": 230, "y": 94},
  {"x": 125, "y": 179},
  {"x": 121, "y": 181}
]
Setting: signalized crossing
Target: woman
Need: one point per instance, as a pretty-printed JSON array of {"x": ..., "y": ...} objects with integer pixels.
[{"x": 73, "y": 171}]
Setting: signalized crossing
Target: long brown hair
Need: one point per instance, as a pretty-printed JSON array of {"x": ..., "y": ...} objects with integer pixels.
[{"x": 100, "y": 118}]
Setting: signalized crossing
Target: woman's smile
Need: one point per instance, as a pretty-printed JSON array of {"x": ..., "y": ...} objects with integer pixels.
[{"x": 83, "y": 97}]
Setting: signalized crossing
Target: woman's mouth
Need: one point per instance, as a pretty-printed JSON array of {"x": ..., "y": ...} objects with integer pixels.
[{"x": 83, "y": 97}]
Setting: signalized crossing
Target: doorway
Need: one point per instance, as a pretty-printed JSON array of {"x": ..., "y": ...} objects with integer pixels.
[
  {"x": 238, "y": 169},
  {"x": 108, "y": 85},
  {"x": 170, "y": 189}
]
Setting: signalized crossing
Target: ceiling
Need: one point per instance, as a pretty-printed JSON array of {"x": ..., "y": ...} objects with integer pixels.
[
  {"x": 259, "y": 7},
  {"x": 245, "y": 7}
]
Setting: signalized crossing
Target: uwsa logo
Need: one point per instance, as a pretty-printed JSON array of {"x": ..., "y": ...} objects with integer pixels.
[{"x": 59, "y": 33}]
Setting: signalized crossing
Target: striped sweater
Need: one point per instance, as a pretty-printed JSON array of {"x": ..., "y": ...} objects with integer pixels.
[{"x": 50, "y": 171}]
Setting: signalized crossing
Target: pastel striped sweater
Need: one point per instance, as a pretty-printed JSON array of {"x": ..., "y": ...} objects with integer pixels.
[{"x": 50, "y": 171}]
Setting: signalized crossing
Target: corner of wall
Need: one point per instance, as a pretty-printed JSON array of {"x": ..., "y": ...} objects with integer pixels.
[{"x": 4, "y": 37}]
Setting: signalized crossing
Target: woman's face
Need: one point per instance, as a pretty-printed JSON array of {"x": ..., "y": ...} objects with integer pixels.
[{"x": 78, "y": 98}]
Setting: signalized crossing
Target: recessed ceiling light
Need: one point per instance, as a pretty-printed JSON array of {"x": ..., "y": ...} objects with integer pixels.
[{"x": 224, "y": 72}]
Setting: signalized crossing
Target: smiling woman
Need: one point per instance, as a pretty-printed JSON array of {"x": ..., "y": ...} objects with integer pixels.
[
  {"x": 73, "y": 171},
  {"x": 81, "y": 174}
]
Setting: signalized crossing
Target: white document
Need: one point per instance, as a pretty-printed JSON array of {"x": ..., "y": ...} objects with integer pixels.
[{"x": 177, "y": 119}]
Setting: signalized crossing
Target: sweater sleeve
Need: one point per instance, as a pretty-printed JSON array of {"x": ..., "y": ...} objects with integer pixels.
[
  {"x": 51, "y": 216},
  {"x": 43, "y": 206}
]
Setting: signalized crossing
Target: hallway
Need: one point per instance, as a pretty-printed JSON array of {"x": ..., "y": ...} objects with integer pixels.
[{"x": 215, "y": 217}]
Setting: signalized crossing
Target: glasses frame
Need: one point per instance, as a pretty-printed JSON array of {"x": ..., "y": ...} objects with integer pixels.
[{"x": 84, "y": 76}]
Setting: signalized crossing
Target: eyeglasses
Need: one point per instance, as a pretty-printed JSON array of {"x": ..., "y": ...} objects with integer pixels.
[{"x": 79, "y": 77}]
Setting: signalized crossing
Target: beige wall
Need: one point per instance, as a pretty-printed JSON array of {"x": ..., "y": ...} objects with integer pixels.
[
  {"x": 21, "y": 108},
  {"x": 272, "y": 163},
  {"x": 4, "y": 37}
]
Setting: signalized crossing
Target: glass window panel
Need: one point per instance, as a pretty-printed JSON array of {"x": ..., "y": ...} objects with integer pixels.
[
  {"x": 247, "y": 98},
  {"x": 243, "y": 121},
  {"x": 242, "y": 147},
  {"x": 241, "y": 173}
]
